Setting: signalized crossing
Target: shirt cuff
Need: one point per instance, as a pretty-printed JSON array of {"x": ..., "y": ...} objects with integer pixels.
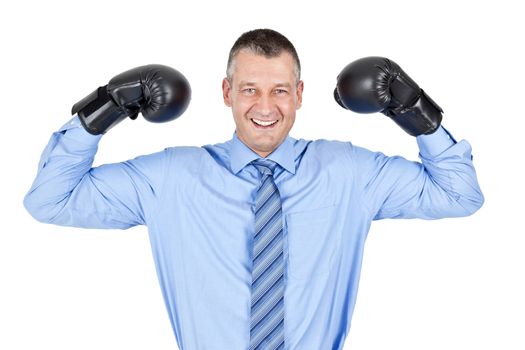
[
  {"x": 436, "y": 143},
  {"x": 73, "y": 129}
]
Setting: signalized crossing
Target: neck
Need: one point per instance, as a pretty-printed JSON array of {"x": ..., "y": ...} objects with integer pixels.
[{"x": 262, "y": 154}]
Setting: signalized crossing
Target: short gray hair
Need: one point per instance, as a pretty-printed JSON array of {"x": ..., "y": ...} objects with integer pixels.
[{"x": 265, "y": 42}]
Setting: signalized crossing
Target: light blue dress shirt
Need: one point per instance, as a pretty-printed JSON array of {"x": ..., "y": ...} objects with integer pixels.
[{"x": 197, "y": 203}]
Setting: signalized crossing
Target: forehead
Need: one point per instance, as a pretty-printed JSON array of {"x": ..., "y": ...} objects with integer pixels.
[{"x": 252, "y": 67}]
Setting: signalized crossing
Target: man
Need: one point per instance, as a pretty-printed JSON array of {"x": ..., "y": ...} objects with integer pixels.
[{"x": 257, "y": 241}]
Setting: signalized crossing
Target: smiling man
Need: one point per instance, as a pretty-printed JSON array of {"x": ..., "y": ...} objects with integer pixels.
[
  {"x": 264, "y": 91},
  {"x": 257, "y": 241}
]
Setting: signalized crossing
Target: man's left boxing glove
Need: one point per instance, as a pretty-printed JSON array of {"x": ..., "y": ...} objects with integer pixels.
[
  {"x": 159, "y": 92},
  {"x": 377, "y": 84}
]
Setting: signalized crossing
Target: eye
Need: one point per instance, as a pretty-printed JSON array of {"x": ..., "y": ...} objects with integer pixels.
[
  {"x": 281, "y": 91},
  {"x": 249, "y": 91}
]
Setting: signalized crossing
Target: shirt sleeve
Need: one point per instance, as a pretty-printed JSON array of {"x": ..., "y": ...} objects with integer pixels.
[
  {"x": 443, "y": 184},
  {"x": 68, "y": 191}
]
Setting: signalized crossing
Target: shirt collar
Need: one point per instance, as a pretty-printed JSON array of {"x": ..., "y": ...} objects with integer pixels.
[{"x": 241, "y": 155}]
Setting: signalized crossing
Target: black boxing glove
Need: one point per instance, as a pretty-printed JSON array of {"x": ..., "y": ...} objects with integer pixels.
[
  {"x": 377, "y": 84},
  {"x": 159, "y": 92}
]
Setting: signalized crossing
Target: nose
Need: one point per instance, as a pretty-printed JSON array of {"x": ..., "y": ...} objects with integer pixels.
[{"x": 265, "y": 104}]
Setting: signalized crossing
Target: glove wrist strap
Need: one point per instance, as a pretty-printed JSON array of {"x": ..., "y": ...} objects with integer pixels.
[
  {"x": 98, "y": 113},
  {"x": 423, "y": 117}
]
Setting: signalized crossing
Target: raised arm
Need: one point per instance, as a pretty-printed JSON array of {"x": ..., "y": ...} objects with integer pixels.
[
  {"x": 69, "y": 191},
  {"x": 443, "y": 184}
]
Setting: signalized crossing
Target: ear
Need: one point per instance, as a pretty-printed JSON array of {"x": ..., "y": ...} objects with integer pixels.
[
  {"x": 226, "y": 92},
  {"x": 300, "y": 87}
]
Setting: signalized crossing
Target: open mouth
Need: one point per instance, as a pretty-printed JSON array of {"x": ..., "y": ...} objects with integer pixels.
[{"x": 262, "y": 124}]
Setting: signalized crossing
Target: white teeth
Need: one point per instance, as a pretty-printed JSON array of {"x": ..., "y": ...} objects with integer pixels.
[{"x": 263, "y": 123}]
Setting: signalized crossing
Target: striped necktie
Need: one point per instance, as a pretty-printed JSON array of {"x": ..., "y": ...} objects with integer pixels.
[{"x": 267, "y": 303}]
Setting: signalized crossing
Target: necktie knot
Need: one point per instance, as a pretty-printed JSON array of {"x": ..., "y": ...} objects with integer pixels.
[{"x": 265, "y": 166}]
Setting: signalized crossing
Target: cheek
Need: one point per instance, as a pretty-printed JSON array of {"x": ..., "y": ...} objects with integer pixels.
[
  {"x": 288, "y": 108},
  {"x": 241, "y": 107}
]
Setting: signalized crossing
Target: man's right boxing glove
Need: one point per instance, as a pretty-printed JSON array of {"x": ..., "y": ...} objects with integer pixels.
[
  {"x": 159, "y": 92},
  {"x": 377, "y": 84}
]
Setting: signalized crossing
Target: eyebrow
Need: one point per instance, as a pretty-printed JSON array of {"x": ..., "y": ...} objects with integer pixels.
[{"x": 244, "y": 83}]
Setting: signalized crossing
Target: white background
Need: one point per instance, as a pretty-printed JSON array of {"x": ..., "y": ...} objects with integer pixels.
[{"x": 446, "y": 284}]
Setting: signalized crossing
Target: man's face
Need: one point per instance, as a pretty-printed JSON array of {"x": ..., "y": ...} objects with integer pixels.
[{"x": 263, "y": 96}]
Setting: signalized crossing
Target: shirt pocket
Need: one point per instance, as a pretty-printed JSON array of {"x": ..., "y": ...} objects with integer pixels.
[{"x": 312, "y": 242}]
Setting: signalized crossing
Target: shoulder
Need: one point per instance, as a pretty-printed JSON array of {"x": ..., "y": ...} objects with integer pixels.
[
  {"x": 192, "y": 157},
  {"x": 341, "y": 153},
  {"x": 184, "y": 158},
  {"x": 326, "y": 149},
  {"x": 182, "y": 152}
]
